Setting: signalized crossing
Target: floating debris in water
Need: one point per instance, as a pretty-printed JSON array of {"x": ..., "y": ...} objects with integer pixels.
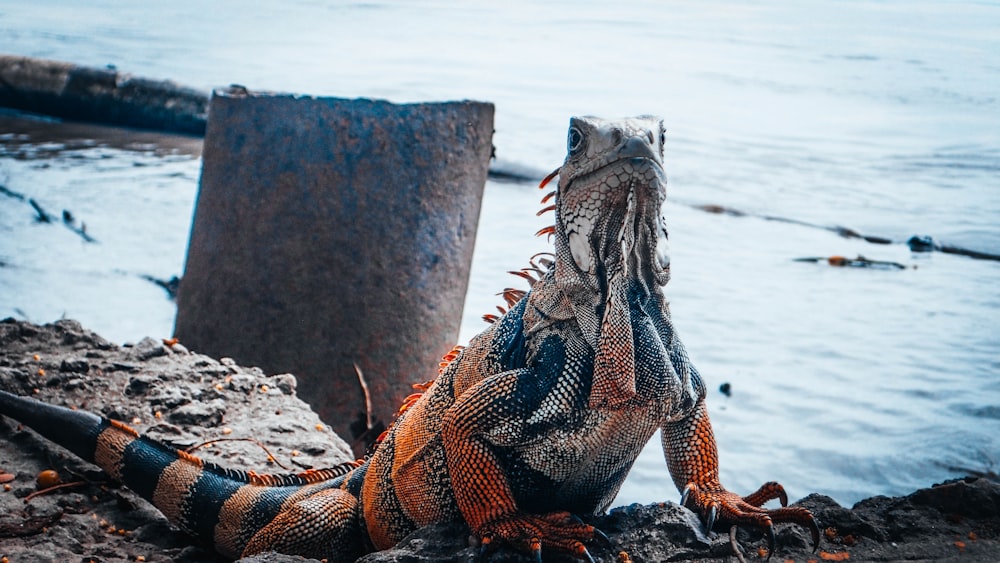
[
  {"x": 917, "y": 243},
  {"x": 859, "y": 262},
  {"x": 926, "y": 243},
  {"x": 170, "y": 286}
]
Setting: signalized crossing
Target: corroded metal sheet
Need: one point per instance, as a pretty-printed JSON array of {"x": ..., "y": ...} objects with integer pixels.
[{"x": 333, "y": 233}]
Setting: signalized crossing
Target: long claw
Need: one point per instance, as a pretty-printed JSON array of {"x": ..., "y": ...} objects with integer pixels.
[
  {"x": 814, "y": 530},
  {"x": 686, "y": 494},
  {"x": 536, "y": 550},
  {"x": 605, "y": 541},
  {"x": 713, "y": 513},
  {"x": 485, "y": 548},
  {"x": 586, "y": 556}
]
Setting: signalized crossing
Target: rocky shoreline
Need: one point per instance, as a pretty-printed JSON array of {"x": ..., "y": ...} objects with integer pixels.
[{"x": 185, "y": 398}]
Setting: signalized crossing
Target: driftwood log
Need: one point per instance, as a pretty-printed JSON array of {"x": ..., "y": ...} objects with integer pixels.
[{"x": 100, "y": 95}]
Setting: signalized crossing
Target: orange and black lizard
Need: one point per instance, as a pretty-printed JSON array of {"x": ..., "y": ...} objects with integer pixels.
[{"x": 533, "y": 424}]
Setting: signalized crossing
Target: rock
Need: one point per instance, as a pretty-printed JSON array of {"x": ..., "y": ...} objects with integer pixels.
[
  {"x": 204, "y": 415},
  {"x": 147, "y": 349},
  {"x": 74, "y": 365},
  {"x": 962, "y": 498}
]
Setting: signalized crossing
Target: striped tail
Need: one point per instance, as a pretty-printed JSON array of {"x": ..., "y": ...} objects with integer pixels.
[{"x": 222, "y": 507}]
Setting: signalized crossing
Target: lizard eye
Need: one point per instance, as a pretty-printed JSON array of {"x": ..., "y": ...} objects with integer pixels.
[
  {"x": 663, "y": 137},
  {"x": 574, "y": 142}
]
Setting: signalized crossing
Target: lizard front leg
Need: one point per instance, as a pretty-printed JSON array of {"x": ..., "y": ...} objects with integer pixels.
[
  {"x": 693, "y": 461},
  {"x": 487, "y": 416}
]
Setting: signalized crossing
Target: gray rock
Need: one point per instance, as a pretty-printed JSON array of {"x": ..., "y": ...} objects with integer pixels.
[
  {"x": 149, "y": 348},
  {"x": 74, "y": 365}
]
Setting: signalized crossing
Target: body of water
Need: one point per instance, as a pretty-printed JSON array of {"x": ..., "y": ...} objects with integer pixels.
[{"x": 879, "y": 116}]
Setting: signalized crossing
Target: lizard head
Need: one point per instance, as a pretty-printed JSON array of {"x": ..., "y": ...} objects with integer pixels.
[
  {"x": 610, "y": 236},
  {"x": 610, "y": 231}
]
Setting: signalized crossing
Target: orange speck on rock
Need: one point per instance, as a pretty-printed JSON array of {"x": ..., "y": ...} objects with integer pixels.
[
  {"x": 6, "y": 477},
  {"x": 41, "y": 372},
  {"x": 973, "y": 536},
  {"x": 319, "y": 427},
  {"x": 840, "y": 556},
  {"x": 36, "y": 357},
  {"x": 168, "y": 342},
  {"x": 960, "y": 545},
  {"x": 136, "y": 420},
  {"x": 762, "y": 552},
  {"x": 227, "y": 431},
  {"x": 48, "y": 478}
]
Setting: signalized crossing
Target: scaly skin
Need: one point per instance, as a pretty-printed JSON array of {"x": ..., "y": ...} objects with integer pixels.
[{"x": 536, "y": 422}]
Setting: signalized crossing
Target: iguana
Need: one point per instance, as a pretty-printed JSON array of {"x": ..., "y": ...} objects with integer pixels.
[{"x": 533, "y": 424}]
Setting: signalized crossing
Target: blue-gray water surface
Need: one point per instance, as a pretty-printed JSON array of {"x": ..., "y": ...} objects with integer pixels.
[{"x": 882, "y": 117}]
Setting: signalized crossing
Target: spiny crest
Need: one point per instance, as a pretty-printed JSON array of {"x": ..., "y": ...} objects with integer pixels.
[
  {"x": 538, "y": 265},
  {"x": 250, "y": 477},
  {"x": 446, "y": 361},
  {"x": 551, "y": 229},
  {"x": 421, "y": 388},
  {"x": 306, "y": 477},
  {"x": 124, "y": 428}
]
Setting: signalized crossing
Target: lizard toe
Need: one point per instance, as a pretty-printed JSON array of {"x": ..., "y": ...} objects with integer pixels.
[
  {"x": 530, "y": 533},
  {"x": 768, "y": 491}
]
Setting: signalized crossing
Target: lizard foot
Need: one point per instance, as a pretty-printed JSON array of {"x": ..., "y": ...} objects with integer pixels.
[
  {"x": 717, "y": 504},
  {"x": 558, "y": 531}
]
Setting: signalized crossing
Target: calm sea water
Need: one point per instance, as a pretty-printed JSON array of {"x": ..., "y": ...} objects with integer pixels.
[{"x": 883, "y": 117}]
